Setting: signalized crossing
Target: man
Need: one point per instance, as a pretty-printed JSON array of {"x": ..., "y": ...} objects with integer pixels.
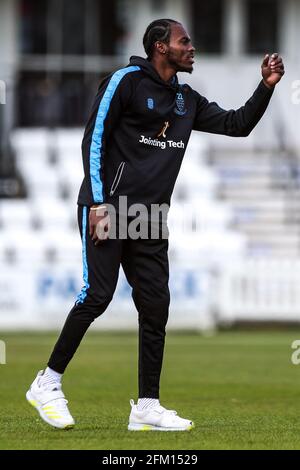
[{"x": 133, "y": 147}]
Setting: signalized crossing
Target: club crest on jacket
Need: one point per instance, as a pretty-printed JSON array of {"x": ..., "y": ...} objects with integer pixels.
[{"x": 180, "y": 105}]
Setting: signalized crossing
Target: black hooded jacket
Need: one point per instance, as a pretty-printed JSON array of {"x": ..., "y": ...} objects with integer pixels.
[{"x": 139, "y": 128}]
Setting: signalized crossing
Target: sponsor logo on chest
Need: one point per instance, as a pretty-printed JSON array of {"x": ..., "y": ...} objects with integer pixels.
[{"x": 163, "y": 144}]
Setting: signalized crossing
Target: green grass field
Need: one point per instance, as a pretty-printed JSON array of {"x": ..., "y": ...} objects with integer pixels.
[{"x": 240, "y": 388}]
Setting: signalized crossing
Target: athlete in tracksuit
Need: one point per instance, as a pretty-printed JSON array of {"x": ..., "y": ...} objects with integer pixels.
[{"x": 133, "y": 146}]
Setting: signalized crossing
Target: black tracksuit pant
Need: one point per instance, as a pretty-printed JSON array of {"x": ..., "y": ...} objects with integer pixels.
[{"x": 145, "y": 263}]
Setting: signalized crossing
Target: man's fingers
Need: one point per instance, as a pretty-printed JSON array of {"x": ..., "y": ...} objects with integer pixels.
[
  {"x": 99, "y": 227},
  {"x": 101, "y": 240},
  {"x": 266, "y": 60},
  {"x": 274, "y": 57},
  {"x": 96, "y": 240},
  {"x": 276, "y": 63},
  {"x": 278, "y": 69},
  {"x": 94, "y": 234},
  {"x": 272, "y": 60},
  {"x": 100, "y": 235}
]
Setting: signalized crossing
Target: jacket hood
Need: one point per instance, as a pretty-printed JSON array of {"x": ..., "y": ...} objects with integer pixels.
[{"x": 149, "y": 69}]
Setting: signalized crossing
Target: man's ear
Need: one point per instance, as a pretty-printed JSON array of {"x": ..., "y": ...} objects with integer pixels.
[{"x": 160, "y": 47}]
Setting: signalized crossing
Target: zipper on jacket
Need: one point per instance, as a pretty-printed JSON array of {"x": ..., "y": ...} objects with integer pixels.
[{"x": 117, "y": 179}]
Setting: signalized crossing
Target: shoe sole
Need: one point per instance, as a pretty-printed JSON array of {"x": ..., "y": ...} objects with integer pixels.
[
  {"x": 33, "y": 402},
  {"x": 150, "y": 427}
]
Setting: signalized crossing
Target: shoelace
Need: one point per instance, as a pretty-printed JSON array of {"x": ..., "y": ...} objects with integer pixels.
[{"x": 49, "y": 386}]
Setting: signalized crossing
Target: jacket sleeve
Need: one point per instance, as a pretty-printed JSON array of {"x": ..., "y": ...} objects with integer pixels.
[
  {"x": 235, "y": 123},
  {"x": 113, "y": 97}
]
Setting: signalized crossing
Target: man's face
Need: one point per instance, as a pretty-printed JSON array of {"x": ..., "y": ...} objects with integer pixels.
[{"x": 180, "y": 51}]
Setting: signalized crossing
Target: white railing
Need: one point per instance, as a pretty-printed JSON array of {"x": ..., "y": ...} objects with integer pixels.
[
  {"x": 260, "y": 290},
  {"x": 39, "y": 296}
]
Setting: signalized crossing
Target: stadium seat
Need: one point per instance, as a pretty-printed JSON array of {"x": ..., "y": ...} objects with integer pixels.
[
  {"x": 22, "y": 246},
  {"x": 65, "y": 245},
  {"x": 53, "y": 213},
  {"x": 16, "y": 214}
]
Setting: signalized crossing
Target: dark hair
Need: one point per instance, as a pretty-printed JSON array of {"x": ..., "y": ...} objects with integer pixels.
[{"x": 158, "y": 30}]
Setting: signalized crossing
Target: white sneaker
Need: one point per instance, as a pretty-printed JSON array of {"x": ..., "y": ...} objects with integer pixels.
[
  {"x": 50, "y": 402},
  {"x": 157, "y": 419}
]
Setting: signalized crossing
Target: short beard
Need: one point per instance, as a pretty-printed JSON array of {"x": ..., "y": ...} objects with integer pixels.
[
  {"x": 184, "y": 69},
  {"x": 178, "y": 67}
]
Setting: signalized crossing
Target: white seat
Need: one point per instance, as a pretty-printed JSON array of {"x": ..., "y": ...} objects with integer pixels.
[
  {"x": 25, "y": 246},
  {"x": 28, "y": 159},
  {"x": 198, "y": 144},
  {"x": 70, "y": 172},
  {"x": 53, "y": 213},
  {"x": 68, "y": 139},
  {"x": 199, "y": 215},
  {"x": 30, "y": 140},
  {"x": 70, "y": 169},
  {"x": 16, "y": 214},
  {"x": 65, "y": 244},
  {"x": 212, "y": 247},
  {"x": 197, "y": 180}
]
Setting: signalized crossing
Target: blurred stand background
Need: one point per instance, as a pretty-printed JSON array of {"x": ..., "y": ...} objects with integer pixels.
[{"x": 239, "y": 259}]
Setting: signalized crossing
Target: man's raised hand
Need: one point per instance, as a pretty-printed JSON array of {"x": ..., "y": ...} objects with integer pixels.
[{"x": 272, "y": 69}]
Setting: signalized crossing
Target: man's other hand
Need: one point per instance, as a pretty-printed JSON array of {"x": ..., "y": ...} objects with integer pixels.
[{"x": 99, "y": 224}]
